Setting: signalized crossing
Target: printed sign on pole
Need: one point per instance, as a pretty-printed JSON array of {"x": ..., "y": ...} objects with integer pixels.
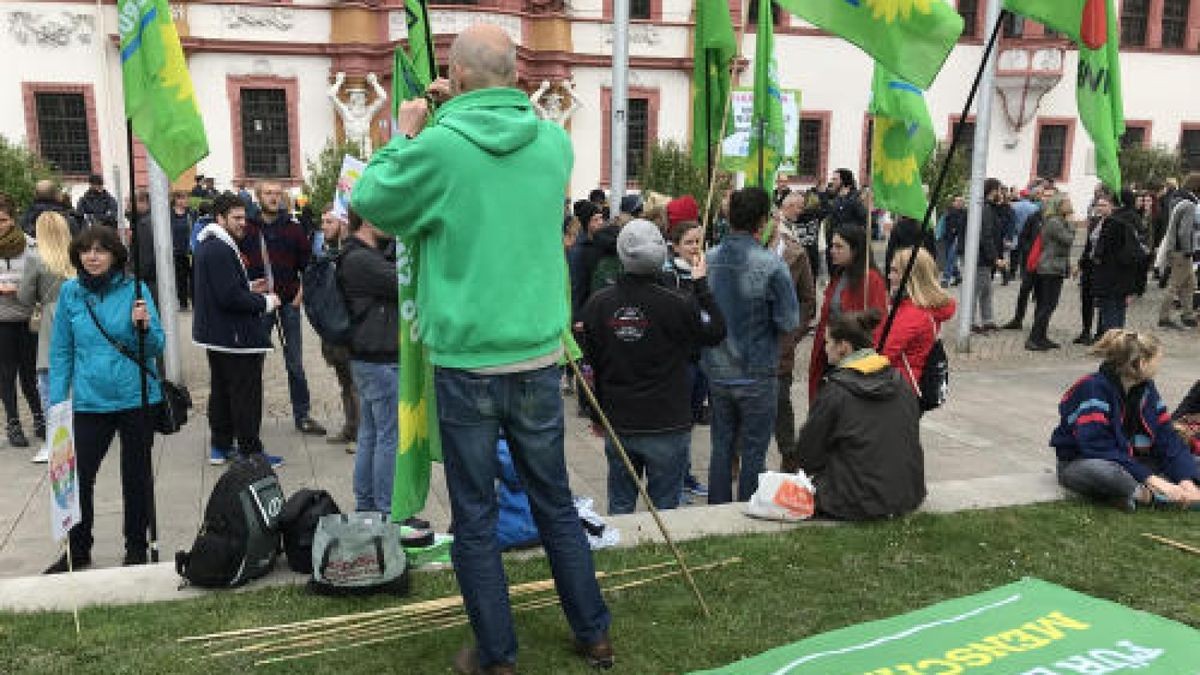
[
  {"x": 64, "y": 471},
  {"x": 352, "y": 169},
  {"x": 735, "y": 149}
]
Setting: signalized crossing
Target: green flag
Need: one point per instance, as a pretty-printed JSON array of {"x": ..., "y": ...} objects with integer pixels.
[
  {"x": 159, "y": 99},
  {"x": 766, "y": 118},
  {"x": 901, "y": 143},
  {"x": 714, "y": 47},
  {"x": 420, "y": 443},
  {"x": 1092, "y": 24},
  {"x": 413, "y": 70},
  {"x": 912, "y": 38}
]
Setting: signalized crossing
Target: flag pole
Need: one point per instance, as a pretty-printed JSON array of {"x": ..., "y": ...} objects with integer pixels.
[
  {"x": 144, "y": 385},
  {"x": 939, "y": 184},
  {"x": 712, "y": 172}
]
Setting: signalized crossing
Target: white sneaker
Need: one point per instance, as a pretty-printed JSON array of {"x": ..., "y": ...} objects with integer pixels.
[{"x": 42, "y": 456}]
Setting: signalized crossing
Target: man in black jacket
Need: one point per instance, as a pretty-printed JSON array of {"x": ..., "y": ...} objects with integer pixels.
[
  {"x": 991, "y": 255},
  {"x": 97, "y": 206},
  {"x": 368, "y": 279},
  {"x": 46, "y": 198},
  {"x": 639, "y": 336},
  {"x": 227, "y": 322}
]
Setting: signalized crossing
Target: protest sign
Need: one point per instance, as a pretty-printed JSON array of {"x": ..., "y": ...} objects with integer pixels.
[
  {"x": 1030, "y": 627},
  {"x": 352, "y": 169},
  {"x": 735, "y": 149},
  {"x": 63, "y": 471}
]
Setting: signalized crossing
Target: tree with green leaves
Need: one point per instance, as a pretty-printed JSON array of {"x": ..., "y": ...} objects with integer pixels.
[
  {"x": 20, "y": 169},
  {"x": 322, "y": 172},
  {"x": 956, "y": 177},
  {"x": 669, "y": 170},
  {"x": 1148, "y": 167}
]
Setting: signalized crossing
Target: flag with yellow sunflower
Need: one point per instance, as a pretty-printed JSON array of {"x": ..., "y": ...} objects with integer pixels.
[
  {"x": 160, "y": 101},
  {"x": 912, "y": 38},
  {"x": 901, "y": 143}
]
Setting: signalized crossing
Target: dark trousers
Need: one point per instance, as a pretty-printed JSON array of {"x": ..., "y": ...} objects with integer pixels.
[
  {"x": 1087, "y": 305},
  {"x": 183, "y": 278},
  {"x": 1111, "y": 314},
  {"x": 235, "y": 400},
  {"x": 18, "y": 361},
  {"x": 1028, "y": 287},
  {"x": 785, "y": 426},
  {"x": 814, "y": 260},
  {"x": 1047, "y": 291},
  {"x": 94, "y": 434},
  {"x": 338, "y": 358}
]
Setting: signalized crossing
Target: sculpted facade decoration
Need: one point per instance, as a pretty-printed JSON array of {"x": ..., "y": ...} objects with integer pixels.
[
  {"x": 238, "y": 16},
  {"x": 639, "y": 34},
  {"x": 60, "y": 29}
]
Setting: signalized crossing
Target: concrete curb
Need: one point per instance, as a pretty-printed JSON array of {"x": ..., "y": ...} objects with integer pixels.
[{"x": 159, "y": 583}]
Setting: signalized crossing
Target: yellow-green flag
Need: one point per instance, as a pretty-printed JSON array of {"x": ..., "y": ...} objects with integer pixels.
[
  {"x": 766, "y": 118},
  {"x": 159, "y": 99},
  {"x": 714, "y": 47},
  {"x": 901, "y": 143}
]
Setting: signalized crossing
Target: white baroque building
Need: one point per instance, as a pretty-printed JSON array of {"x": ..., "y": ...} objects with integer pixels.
[{"x": 262, "y": 68}]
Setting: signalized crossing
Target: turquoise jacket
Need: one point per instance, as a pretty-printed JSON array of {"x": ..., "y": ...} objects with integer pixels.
[{"x": 84, "y": 365}]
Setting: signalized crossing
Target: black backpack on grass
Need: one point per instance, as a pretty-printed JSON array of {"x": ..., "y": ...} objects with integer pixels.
[
  {"x": 239, "y": 539},
  {"x": 298, "y": 522}
]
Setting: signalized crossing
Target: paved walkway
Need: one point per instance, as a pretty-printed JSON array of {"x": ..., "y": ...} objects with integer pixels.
[{"x": 986, "y": 447}]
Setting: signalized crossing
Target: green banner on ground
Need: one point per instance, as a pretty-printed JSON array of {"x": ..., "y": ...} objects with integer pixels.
[{"x": 1030, "y": 627}]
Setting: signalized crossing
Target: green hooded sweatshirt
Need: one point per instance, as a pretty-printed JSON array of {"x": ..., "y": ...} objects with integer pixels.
[{"x": 480, "y": 192}]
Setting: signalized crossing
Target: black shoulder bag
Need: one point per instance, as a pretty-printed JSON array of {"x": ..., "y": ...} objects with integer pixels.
[{"x": 172, "y": 412}]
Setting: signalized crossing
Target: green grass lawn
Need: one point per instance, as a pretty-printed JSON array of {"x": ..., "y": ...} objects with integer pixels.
[{"x": 790, "y": 586}]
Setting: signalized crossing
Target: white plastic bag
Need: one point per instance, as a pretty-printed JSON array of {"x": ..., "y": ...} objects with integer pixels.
[{"x": 782, "y": 496}]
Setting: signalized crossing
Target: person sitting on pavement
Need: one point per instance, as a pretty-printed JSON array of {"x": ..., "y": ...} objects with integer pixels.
[
  {"x": 924, "y": 307},
  {"x": 861, "y": 442},
  {"x": 640, "y": 337},
  {"x": 1115, "y": 441},
  {"x": 92, "y": 363}
]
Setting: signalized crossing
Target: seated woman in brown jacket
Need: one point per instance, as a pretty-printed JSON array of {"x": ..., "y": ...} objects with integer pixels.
[{"x": 861, "y": 444}]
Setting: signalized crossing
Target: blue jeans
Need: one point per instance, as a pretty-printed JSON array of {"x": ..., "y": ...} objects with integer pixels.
[
  {"x": 1112, "y": 314},
  {"x": 378, "y": 386},
  {"x": 528, "y": 406},
  {"x": 293, "y": 358},
  {"x": 743, "y": 419},
  {"x": 663, "y": 460},
  {"x": 950, "y": 272}
]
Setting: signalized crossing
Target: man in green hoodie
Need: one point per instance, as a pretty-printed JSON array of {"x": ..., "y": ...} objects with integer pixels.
[{"x": 485, "y": 178}]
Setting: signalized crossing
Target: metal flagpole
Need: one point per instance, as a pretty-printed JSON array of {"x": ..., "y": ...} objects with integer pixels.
[
  {"x": 935, "y": 193},
  {"x": 620, "y": 102},
  {"x": 164, "y": 266},
  {"x": 983, "y": 125},
  {"x": 146, "y": 421}
]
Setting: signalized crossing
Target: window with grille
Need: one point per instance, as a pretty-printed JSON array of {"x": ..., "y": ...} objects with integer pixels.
[
  {"x": 62, "y": 127},
  {"x": 637, "y": 131},
  {"x": 1189, "y": 149},
  {"x": 639, "y": 9},
  {"x": 266, "y": 148},
  {"x": 808, "y": 165},
  {"x": 966, "y": 144},
  {"x": 969, "y": 9},
  {"x": 1014, "y": 25},
  {"x": 1134, "y": 14},
  {"x": 1052, "y": 151},
  {"x": 1174, "y": 24},
  {"x": 1134, "y": 137}
]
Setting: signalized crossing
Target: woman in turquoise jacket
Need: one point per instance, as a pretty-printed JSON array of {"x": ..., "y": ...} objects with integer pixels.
[{"x": 103, "y": 383}]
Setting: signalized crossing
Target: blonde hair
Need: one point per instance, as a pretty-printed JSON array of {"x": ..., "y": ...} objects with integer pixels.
[
  {"x": 923, "y": 287},
  {"x": 53, "y": 237},
  {"x": 1126, "y": 350},
  {"x": 1059, "y": 205}
]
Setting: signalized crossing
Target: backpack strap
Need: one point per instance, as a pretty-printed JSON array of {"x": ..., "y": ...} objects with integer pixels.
[{"x": 118, "y": 345}]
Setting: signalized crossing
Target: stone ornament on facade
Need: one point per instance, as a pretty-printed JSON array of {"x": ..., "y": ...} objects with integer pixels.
[
  {"x": 1024, "y": 77},
  {"x": 548, "y": 102},
  {"x": 239, "y": 16},
  {"x": 60, "y": 29},
  {"x": 356, "y": 114}
]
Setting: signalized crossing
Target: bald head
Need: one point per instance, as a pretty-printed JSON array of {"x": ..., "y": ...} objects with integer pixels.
[
  {"x": 45, "y": 190},
  {"x": 482, "y": 56}
]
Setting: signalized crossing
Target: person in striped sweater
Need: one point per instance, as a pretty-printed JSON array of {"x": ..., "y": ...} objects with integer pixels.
[{"x": 1115, "y": 441}]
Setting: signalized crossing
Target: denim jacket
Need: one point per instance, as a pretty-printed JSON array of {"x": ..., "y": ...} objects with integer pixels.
[{"x": 754, "y": 291}]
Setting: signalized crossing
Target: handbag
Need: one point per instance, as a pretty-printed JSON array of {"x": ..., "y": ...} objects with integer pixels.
[{"x": 172, "y": 412}]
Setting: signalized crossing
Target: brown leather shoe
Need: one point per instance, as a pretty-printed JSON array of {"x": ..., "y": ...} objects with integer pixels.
[
  {"x": 466, "y": 662},
  {"x": 598, "y": 654}
]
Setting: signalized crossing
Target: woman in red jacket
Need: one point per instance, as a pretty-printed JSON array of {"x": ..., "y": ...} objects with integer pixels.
[
  {"x": 924, "y": 307},
  {"x": 853, "y": 276}
]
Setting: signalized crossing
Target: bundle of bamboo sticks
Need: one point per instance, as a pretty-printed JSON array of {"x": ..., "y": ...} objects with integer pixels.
[{"x": 313, "y": 637}]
